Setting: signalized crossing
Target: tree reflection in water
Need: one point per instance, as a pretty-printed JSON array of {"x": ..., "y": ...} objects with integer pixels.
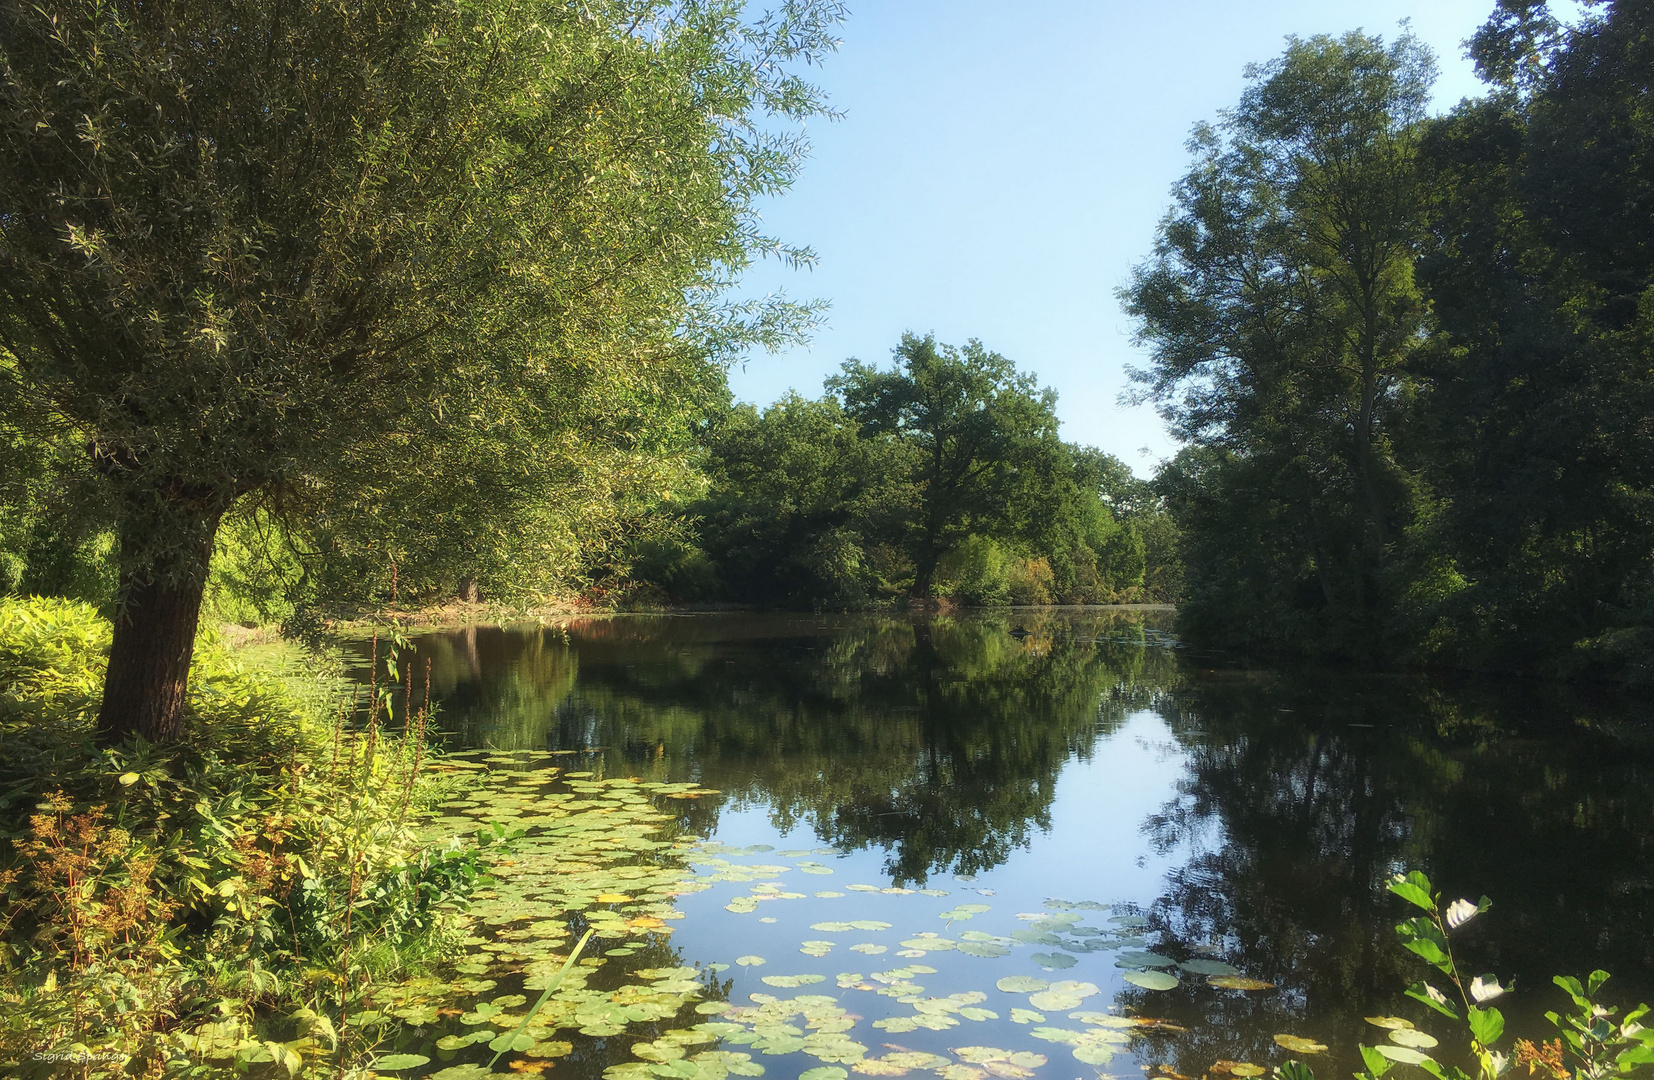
[{"x": 940, "y": 742}]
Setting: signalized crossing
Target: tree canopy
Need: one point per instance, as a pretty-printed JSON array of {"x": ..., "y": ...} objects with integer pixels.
[
  {"x": 1409, "y": 354},
  {"x": 297, "y": 255}
]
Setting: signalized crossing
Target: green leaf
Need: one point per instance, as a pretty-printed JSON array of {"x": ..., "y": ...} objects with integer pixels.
[
  {"x": 1021, "y": 984},
  {"x": 1422, "y": 991},
  {"x": 1487, "y": 1025},
  {"x": 1294, "y": 1070},
  {"x": 1415, "y": 888},
  {"x": 1377, "y": 1064},
  {"x": 393, "y": 1062},
  {"x": 1151, "y": 980}
]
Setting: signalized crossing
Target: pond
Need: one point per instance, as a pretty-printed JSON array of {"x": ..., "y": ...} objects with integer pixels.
[{"x": 828, "y": 846}]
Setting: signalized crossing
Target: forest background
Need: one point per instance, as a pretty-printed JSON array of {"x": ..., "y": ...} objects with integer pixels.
[{"x": 1407, "y": 357}]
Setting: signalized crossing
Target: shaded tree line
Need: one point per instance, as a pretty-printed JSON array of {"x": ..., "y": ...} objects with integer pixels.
[
  {"x": 1409, "y": 355},
  {"x": 942, "y": 475}
]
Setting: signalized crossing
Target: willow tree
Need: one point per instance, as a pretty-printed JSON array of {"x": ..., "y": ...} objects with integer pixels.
[{"x": 267, "y": 250}]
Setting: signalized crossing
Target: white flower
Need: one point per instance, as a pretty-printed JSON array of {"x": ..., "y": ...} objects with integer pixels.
[
  {"x": 1485, "y": 988},
  {"x": 1460, "y": 912}
]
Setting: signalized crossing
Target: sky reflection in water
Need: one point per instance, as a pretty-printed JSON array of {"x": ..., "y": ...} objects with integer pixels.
[{"x": 1254, "y": 814}]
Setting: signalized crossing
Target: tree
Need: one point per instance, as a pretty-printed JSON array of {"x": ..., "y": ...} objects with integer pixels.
[
  {"x": 801, "y": 506},
  {"x": 980, "y": 431},
  {"x": 1538, "y": 392},
  {"x": 266, "y": 251},
  {"x": 1281, "y": 312}
]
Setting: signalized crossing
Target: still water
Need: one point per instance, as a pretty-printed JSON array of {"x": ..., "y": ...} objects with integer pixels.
[{"x": 1082, "y": 806}]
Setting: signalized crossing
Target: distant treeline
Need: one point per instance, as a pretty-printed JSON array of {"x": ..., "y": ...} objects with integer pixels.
[
  {"x": 1411, "y": 356},
  {"x": 940, "y": 476}
]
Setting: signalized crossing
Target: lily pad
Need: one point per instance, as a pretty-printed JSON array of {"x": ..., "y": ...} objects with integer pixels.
[
  {"x": 792, "y": 982},
  {"x": 1140, "y": 958},
  {"x": 394, "y": 1062},
  {"x": 1151, "y": 980},
  {"x": 1413, "y": 1037},
  {"x": 1297, "y": 1044},
  {"x": 1021, "y": 984},
  {"x": 1208, "y": 967},
  {"x": 930, "y": 944},
  {"x": 749, "y": 961},
  {"x": 1389, "y": 1022},
  {"x": 1053, "y": 960},
  {"x": 1238, "y": 982},
  {"x": 1093, "y": 1054}
]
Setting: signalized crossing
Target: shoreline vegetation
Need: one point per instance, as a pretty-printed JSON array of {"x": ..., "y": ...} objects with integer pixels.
[{"x": 293, "y": 894}]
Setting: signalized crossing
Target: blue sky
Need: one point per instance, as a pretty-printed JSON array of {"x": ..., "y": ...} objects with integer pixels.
[{"x": 1002, "y": 166}]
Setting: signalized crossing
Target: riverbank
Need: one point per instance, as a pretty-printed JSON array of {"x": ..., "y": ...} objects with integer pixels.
[{"x": 222, "y": 905}]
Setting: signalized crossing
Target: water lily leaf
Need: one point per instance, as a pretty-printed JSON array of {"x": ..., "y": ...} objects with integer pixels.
[
  {"x": 792, "y": 981},
  {"x": 511, "y": 1042},
  {"x": 659, "y": 1050},
  {"x": 987, "y": 949},
  {"x": 1053, "y": 960},
  {"x": 960, "y": 1072},
  {"x": 1297, "y": 1044},
  {"x": 1021, "y": 984},
  {"x": 897, "y": 1025},
  {"x": 974, "y": 1013},
  {"x": 1404, "y": 1054},
  {"x": 879, "y": 1067},
  {"x": 824, "y": 1072},
  {"x": 1208, "y": 967},
  {"x": 869, "y": 924},
  {"x": 393, "y": 1062},
  {"x": 833, "y": 927},
  {"x": 1057, "y": 1035},
  {"x": 470, "y": 1071},
  {"x": 870, "y": 949},
  {"x": 930, "y": 944},
  {"x": 1093, "y": 1054},
  {"x": 1151, "y": 980},
  {"x": 1413, "y": 1037},
  {"x": 1026, "y": 1016},
  {"x": 1139, "y": 958},
  {"x": 731, "y": 1061},
  {"x": 550, "y": 1049},
  {"x": 679, "y": 1069},
  {"x": 749, "y": 961},
  {"x": 1238, "y": 982},
  {"x": 1390, "y": 1022},
  {"x": 1245, "y": 1068},
  {"x": 1054, "y": 1001}
]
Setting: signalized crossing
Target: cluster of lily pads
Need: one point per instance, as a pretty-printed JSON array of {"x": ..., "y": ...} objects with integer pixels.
[{"x": 606, "y": 855}]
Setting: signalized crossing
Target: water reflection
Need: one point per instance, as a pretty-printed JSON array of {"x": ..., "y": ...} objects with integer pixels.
[{"x": 940, "y": 743}]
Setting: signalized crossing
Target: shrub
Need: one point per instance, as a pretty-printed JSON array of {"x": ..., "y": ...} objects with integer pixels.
[{"x": 157, "y": 902}]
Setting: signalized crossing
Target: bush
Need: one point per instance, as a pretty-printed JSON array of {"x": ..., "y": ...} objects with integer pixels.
[{"x": 158, "y": 902}]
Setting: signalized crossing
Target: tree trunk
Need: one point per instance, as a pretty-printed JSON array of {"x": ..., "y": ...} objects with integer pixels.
[{"x": 154, "y": 638}]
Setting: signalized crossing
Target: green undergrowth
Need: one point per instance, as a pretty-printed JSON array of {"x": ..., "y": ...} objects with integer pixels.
[{"x": 219, "y": 906}]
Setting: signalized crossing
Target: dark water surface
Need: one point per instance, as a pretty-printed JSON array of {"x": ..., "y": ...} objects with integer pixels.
[{"x": 1095, "y": 772}]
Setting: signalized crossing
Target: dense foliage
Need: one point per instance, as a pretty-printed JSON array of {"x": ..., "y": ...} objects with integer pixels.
[
  {"x": 432, "y": 286},
  {"x": 160, "y": 905},
  {"x": 1409, "y": 355},
  {"x": 942, "y": 475}
]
